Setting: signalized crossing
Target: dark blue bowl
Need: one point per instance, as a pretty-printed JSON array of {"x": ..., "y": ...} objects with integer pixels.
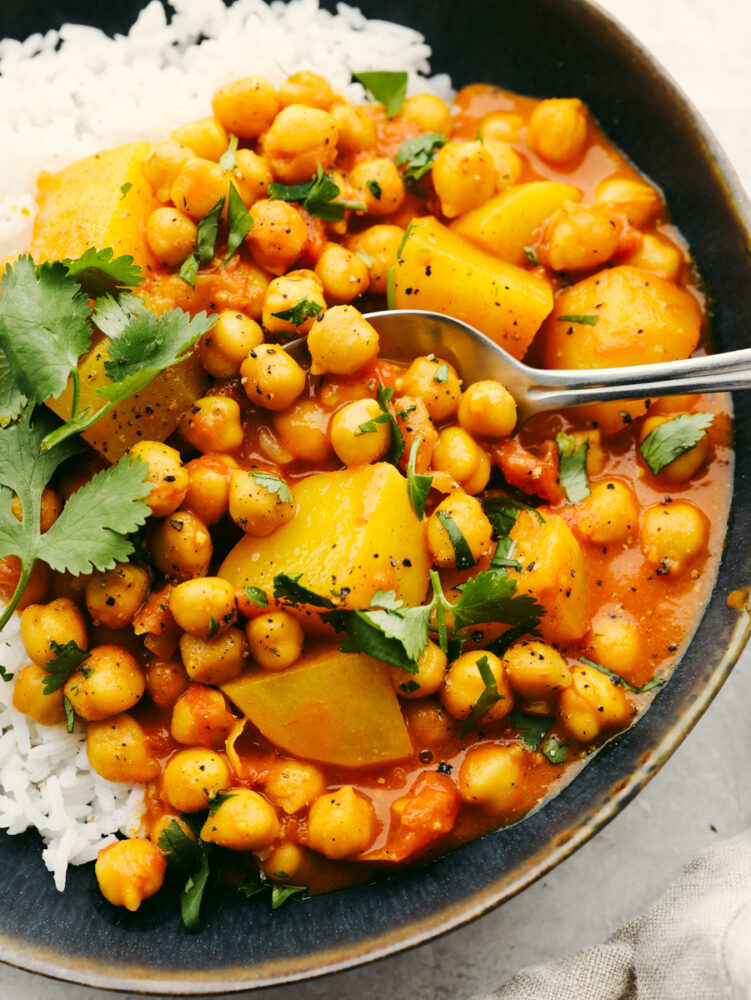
[{"x": 542, "y": 48}]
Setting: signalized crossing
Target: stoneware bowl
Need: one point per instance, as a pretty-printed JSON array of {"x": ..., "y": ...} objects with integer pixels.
[{"x": 543, "y": 48}]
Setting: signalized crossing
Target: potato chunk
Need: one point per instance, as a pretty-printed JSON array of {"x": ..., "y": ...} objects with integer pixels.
[
  {"x": 338, "y": 708},
  {"x": 354, "y": 532},
  {"x": 441, "y": 271}
]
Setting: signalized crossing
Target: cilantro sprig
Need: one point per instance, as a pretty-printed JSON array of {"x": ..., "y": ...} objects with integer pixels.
[
  {"x": 462, "y": 552},
  {"x": 416, "y": 156},
  {"x": 68, "y": 657},
  {"x": 300, "y": 312},
  {"x": 273, "y": 485},
  {"x": 387, "y": 87},
  {"x": 418, "y": 486},
  {"x": 573, "y": 467},
  {"x": 188, "y": 857},
  {"x": 319, "y": 196},
  {"x": 673, "y": 438},
  {"x": 617, "y": 679}
]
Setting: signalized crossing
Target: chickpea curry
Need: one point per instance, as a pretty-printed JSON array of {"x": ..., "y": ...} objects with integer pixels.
[{"x": 343, "y": 617}]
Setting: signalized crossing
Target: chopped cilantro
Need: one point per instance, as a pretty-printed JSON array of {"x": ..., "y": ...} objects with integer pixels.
[
  {"x": 573, "y": 467},
  {"x": 217, "y": 799},
  {"x": 375, "y": 189},
  {"x": 441, "y": 373},
  {"x": 416, "y": 156},
  {"x": 673, "y": 438},
  {"x": 585, "y": 320},
  {"x": 502, "y": 513},
  {"x": 239, "y": 222},
  {"x": 387, "y": 87},
  {"x": 300, "y": 312},
  {"x": 213, "y": 626},
  {"x": 532, "y": 728},
  {"x": 464, "y": 557},
  {"x": 617, "y": 679},
  {"x": 409, "y": 687},
  {"x": 407, "y": 233},
  {"x": 192, "y": 897},
  {"x": 531, "y": 256},
  {"x": 369, "y": 426},
  {"x": 70, "y": 718},
  {"x": 208, "y": 228},
  {"x": 288, "y": 589},
  {"x": 491, "y": 597},
  {"x": 367, "y": 260},
  {"x": 554, "y": 750},
  {"x": 188, "y": 857},
  {"x": 124, "y": 188},
  {"x": 503, "y": 555},
  {"x": 318, "y": 196},
  {"x": 281, "y": 893},
  {"x": 418, "y": 486},
  {"x": 99, "y": 272},
  {"x": 487, "y": 699},
  {"x": 278, "y": 894},
  {"x": 68, "y": 657},
  {"x": 274, "y": 485},
  {"x": 6, "y": 674},
  {"x": 227, "y": 159},
  {"x": 257, "y": 597},
  {"x": 384, "y": 395}
]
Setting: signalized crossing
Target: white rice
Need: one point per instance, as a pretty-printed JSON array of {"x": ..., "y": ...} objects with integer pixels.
[{"x": 71, "y": 93}]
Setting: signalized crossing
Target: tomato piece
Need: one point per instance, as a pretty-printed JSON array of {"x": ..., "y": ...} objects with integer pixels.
[
  {"x": 154, "y": 621},
  {"x": 533, "y": 474},
  {"x": 426, "y": 812}
]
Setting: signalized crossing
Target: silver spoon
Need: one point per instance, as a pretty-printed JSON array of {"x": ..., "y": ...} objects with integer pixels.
[{"x": 405, "y": 334}]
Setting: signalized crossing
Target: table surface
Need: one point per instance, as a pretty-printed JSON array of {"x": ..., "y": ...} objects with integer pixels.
[{"x": 704, "y": 791}]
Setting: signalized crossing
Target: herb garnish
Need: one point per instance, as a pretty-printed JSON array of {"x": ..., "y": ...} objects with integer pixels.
[
  {"x": 531, "y": 256},
  {"x": 124, "y": 188},
  {"x": 441, "y": 373},
  {"x": 239, "y": 222},
  {"x": 300, "y": 312},
  {"x": 217, "y": 799},
  {"x": 573, "y": 467},
  {"x": 388, "y": 88},
  {"x": 70, "y": 718},
  {"x": 317, "y": 197},
  {"x": 673, "y": 438},
  {"x": 375, "y": 188},
  {"x": 279, "y": 894},
  {"x": 208, "y": 229},
  {"x": 503, "y": 556},
  {"x": 532, "y": 728},
  {"x": 617, "y": 679},
  {"x": 188, "y": 857},
  {"x": 257, "y": 597},
  {"x": 418, "y": 486},
  {"x": 384, "y": 395},
  {"x": 502, "y": 513},
  {"x": 587, "y": 320},
  {"x": 417, "y": 155},
  {"x": 487, "y": 699},
  {"x": 464, "y": 557},
  {"x": 554, "y": 750},
  {"x": 274, "y": 485},
  {"x": 227, "y": 159},
  {"x": 288, "y": 589},
  {"x": 68, "y": 657}
]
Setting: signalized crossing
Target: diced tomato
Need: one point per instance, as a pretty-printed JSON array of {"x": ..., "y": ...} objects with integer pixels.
[
  {"x": 426, "y": 812},
  {"x": 154, "y": 621},
  {"x": 533, "y": 474}
]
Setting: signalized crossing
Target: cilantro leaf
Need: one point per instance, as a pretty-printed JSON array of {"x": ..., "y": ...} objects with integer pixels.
[
  {"x": 287, "y": 588},
  {"x": 192, "y": 897},
  {"x": 441, "y": 373},
  {"x": 409, "y": 626},
  {"x": 281, "y": 893},
  {"x": 573, "y": 467},
  {"x": 252, "y": 886},
  {"x": 409, "y": 687},
  {"x": 300, "y": 312},
  {"x": 364, "y": 636},
  {"x": 502, "y": 513},
  {"x": 318, "y": 196},
  {"x": 189, "y": 270},
  {"x": 70, "y": 718},
  {"x": 586, "y": 320},
  {"x": 6, "y": 674},
  {"x": 227, "y": 159},
  {"x": 12, "y": 397},
  {"x": 504, "y": 642},
  {"x": 375, "y": 188},
  {"x": 239, "y": 221},
  {"x": 554, "y": 750},
  {"x": 464, "y": 557},
  {"x": 489, "y": 697},
  {"x": 531, "y": 256},
  {"x": 388, "y": 88},
  {"x": 617, "y": 679},
  {"x": 417, "y": 155},
  {"x": 503, "y": 555},
  {"x": 99, "y": 272},
  {"x": 491, "y": 597},
  {"x": 180, "y": 852},
  {"x": 384, "y": 396},
  {"x": 274, "y": 485},
  {"x": 257, "y": 597},
  {"x": 208, "y": 229},
  {"x": 44, "y": 326},
  {"x": 673, "y": 438},
  {"x": 217, "y": 799},
  {"x": 124, "y": 188},
  {"x": 68, "y": 657},
  {"x": 532, "y": 728},
  {"x": 418, "y": 486}
]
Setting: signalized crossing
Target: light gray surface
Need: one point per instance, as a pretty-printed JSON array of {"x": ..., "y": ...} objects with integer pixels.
[{"x": 705, "y": 44}]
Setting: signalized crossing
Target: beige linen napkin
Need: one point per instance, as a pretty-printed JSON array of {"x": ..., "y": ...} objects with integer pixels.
[{"x": 693, "y": 944}]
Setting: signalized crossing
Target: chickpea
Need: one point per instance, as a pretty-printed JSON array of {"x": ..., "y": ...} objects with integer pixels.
[
  {"x": 215, "y": 660},
  {"x": 535, "y": 669},
  {"x": 463, "y": 685},
  {"x": 379, "y": 184},
  {"x": 436, "y": 383},
  {"x": 378, "y": 246},
  {"x": 356, "y": 128},
  {"x": 110, "y": 681},
  {"x": 480, "y": 477},
  {"x": 29, "y": 697},
  {"x": 113, "y": 597},
  {"x": 557, "y": 130},
  {"x": 335, "y": 391},
  {"x": 463, "y": 177},
  {"x": 303, "y": 431},
  {"x": 414, "y": 422},
  {"x": 578, "y": 237},
  {"x": 205, "y": 606},
  {"x": 171, "y": 235},
  {"x": 208, "y": 487},
  {"x": 638, "y": 201},
  {"x": 506, "y": 162},
  {"x": 278, "y": 235},
  {"x": 199, "y": 186},
  {"x": 469, "y": 517},
  {"x": 287, "y": 293},
  {"x": 617, "y": 642},
  {"x": 246, "y": 107},
  {"x": 223, "y": 349},
  {"x": 59, "y": 621},
  {"x": 431, "y": 667},
  {"x": 491, "y": 777},
  {"x": 352, "y": 444},
  {"x": 591, "y": 704},
  {"x": 206, "y": 137},
  {"x": 658, "y": 256},
  {"x": 341, "y": 341},
  {"x": 166, "y": 680},
  {"x": 341, "y": 823},
  {"x": 244, "y": 821},
  {"x": 501, "y": 126},
  {"x": 430, "y": 726},
  {"x": 164, "y": 822},
  {"x": 130, "y": 871},
  {"x": 291, "y": 785},
  {"x": 254, "y": 507},
  {"x": 271, "y": 378},
  {"x": 306, "y": 88},
  {"x": 343, "y": 274},
  {"x": 300, "y": 139},
  {"x": 672, "y": 535},
  {"x": 181, "y": 546},
  {"x": 288, "y": 858},
  {"x": 681, "y": 469},
  {"x": 166, "y": 473},
  {"x": 51, "y": 507},
  {"x": 456, "y": 453},
  {"x": 428, "y": 112},
  {"x": 192, "y": 776},
  {"x": 255, "y": 175},
  {"x": 118, "y": 750},
  {"x": 201, "y": 717},
  {"x": 487, "y": 409},
  {"x": 609, "y": 515},
  {"x": 163, "y": 164},
  {"x": 276, "y": 639},
  {"x": 213, "y": 424}
]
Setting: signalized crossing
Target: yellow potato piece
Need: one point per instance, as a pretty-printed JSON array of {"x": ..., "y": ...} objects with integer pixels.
[
  {"x": 509, "y": 222},
  {"x": 354, "y": 532},
  {"x": 338, "y": 708},
  {"x": 88, "y": 204},
  {"x": 439, "y": 270}
]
